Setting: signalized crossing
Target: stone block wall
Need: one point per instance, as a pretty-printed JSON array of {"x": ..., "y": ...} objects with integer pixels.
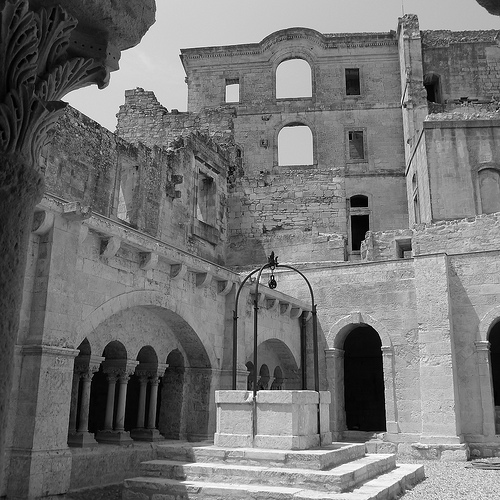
[
  {"x": 151, "y": 189},
  {"x": 444, "y": 53},
  {"x": 474, "y": 234},
  {"x": 459, "y": 146},
  {"x": 142, "y": 119}
]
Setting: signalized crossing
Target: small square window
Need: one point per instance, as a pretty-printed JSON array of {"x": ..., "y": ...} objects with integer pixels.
[
  {"x": 356, "y": 145},
  {"x": 403, "y": 248},
  {"x": 352, "y": 83}
]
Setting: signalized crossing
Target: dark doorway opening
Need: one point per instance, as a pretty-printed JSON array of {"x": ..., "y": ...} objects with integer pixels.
[
  {"x": 364, "y": 381},
  {"x": 360, "y": 225},
  {"x": 495, "y": 361}
]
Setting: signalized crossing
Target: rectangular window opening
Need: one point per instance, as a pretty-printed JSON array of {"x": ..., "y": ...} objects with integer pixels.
[
  {"x": 403, "y": 249},
  {"x": 352, "y": 82},
  {"x": 356, "y": 145},
  {"x": 360, "y": 224},
  {"x": 205, "y": 203},
  {"x": 232, "y": 90}
]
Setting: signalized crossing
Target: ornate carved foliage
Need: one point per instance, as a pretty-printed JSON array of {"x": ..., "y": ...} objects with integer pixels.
[{"x": 35, "y": 73}]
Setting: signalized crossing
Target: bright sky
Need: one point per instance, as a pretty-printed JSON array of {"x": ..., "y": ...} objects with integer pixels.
[{"x": 155, "y": 65}]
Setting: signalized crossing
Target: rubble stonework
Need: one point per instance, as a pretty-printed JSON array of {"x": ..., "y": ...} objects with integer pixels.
[{"x": 143, "y": 237}]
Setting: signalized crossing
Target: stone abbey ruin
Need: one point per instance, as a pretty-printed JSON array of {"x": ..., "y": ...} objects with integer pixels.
[{"x": 143, "y": 236}]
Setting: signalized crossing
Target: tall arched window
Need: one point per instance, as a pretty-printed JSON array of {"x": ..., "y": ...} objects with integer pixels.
[
  {"x": 295, "y": 145},
  {"x": 293, "y": 79}
]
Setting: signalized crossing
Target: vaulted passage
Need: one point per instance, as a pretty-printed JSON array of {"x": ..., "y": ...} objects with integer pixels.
[{"x": 364, "y": 381}]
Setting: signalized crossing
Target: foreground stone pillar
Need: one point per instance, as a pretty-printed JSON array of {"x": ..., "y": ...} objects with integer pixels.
[
  {"x": 40, "y": 62},
  {"x": 41, "y": 458}
]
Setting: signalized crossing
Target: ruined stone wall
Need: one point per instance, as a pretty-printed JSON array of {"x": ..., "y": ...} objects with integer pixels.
[
  {"x": 142, "y": 119},
  {"x": 418, "y": 184},
  {"x": 468, "y": 63},
  {"x": 151, "y": 189},
  {"x": 288, "y": 207},
  {"x": 474, "y": 234}
]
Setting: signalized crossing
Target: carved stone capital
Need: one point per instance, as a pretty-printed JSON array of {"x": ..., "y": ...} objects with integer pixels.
[{"x": 36, "y": 72}]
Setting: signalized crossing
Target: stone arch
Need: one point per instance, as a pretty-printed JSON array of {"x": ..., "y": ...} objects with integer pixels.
[
  {"x": 489, "y": 320},
  {"x": 274, "y": 353},
  {"x": 197, "y": 344},
  {"x": 297, "y": 122},
  {"x": 338, "y": 331},
  {"x": 335, "y": 367},
  {"x": 302, "y": 71}
]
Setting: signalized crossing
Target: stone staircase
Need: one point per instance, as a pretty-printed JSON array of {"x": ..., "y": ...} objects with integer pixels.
[{"x": 339, "y": 471}]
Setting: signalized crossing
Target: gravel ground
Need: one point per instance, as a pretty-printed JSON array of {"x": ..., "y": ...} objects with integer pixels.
[
  {"x": 444, "y": 481},
  {"x": 455, "y": 480}
]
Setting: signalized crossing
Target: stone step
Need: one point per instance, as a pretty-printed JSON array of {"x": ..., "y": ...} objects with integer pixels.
[
  {"x": 341, "y": 478},
  {"x": 385, "y": 487},
  {"x": 315, "y": 458}
]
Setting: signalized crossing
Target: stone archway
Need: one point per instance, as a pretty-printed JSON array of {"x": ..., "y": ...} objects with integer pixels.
[
  {"x": 148, "y": 320},
  {"x": 364, "y": 380},
  {"x": 335, "y": 359}
]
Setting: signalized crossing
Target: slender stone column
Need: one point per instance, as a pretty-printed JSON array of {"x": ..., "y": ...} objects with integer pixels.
[
  {"x": 141, "y": 412},
  {"x": 122, "y": 401},
  {"x": 335, "y": 375},
  {"x": 486, "y": 387},
  {"x": 83, "y": 424},
  {"x": 74, "y": 402},
  {"x": 153, "y": 398},
  {"x": 110, "y": 402},
  {"x": 390, "y": 390}
]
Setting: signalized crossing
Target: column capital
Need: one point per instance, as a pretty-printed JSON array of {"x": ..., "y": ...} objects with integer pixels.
[
  {"x": 387, "y": 350},
  {"x": 334, "y": 353},
  {"x": 87, "y": 362},
  {"x": 482, "y": 345}
]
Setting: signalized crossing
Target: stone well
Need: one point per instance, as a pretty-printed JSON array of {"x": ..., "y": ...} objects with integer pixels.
[{"x": 285, "y": 420}]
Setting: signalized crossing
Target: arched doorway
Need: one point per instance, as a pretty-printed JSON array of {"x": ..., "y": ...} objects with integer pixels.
[
  {"x": 494, "y": 338},
  {"x": 364, "y": 381}
]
